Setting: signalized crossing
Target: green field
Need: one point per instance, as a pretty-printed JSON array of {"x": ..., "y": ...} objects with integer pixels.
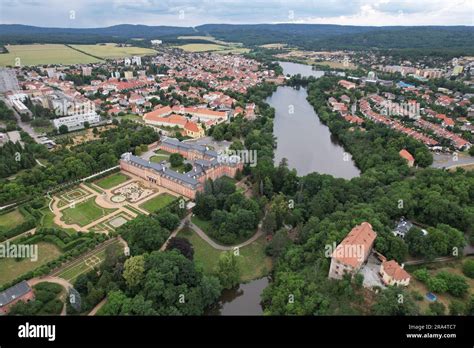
[
  {"x": 84, "y": 213},
  {"x": 11, "y": 269},
  {"x": 43, "y": 54},
  {"x": 11, "y": 219},
  {"x": 157, "y": 202},
  {"x": 110, "y": 50},
  {"x": 202, "y": 47},
  {"x": 112, "y": 180},
  {"x": 72, "y": 272},
  {"x": 253, "y": 262}
]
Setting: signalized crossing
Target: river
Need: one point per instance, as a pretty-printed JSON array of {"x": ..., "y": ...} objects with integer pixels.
[{"x": 302, "y": 138}]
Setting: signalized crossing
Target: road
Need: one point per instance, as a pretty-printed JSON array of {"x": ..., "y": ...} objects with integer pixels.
[
  {"x": 23, "y": 125},
  {"x": 446, "y": 160}
]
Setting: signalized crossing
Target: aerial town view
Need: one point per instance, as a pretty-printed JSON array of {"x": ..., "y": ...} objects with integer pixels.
[{"x": 254, "y": 159}]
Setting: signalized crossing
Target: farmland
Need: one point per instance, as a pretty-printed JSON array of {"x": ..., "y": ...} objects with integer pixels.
[
  {"x": 112, "y": 51},
  {"x": 37, "y": 54}
]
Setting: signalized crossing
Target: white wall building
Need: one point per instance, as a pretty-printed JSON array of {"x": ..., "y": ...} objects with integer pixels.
[{"x": 76, "y": 121}]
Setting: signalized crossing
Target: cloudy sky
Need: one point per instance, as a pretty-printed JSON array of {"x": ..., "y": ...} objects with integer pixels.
[{"x": 100, "y": 13}]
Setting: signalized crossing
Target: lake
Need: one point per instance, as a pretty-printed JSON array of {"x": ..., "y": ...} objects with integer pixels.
[
  {"x": 242, "y": 300},
  {"x": 304, "y": 140}
]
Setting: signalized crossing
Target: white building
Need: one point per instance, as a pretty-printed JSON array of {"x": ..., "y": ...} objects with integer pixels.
[
  {"x": 137, "y": 60},
  {"x": 76, "y": 121}
]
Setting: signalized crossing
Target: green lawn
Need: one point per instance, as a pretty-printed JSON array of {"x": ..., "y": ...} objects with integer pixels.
[
  {"x": 11, "y": 269},
  {"x": 204, "y": 255},
  {"x": 112, "y": 180},
  {"x": 38, "y": 54},
  {"x": 132, "y": 117},
  {"x": 84, "y": 213},
  {"x": 11, "y": 219},
  {"x": 163, "y": 152},
  {"x": 157, "y": 202},
  {"x": 253, "y": 262},
  {"x": 159, "y": 158},
  {"x": 47, "y": 220},
  {"x": 204, "y": 225}
]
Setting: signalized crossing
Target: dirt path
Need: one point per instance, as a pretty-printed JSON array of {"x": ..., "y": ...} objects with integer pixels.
[
  {"x": 217, "y": 246},
  {"x": 97, "y": 307},
  {"x": 64, "y": 283}
]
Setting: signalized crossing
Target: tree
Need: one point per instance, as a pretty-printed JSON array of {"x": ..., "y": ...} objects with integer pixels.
[
  {"x": 183, "y": 245},
  {"x": 395, "y": 301},
  {"x": 437, "y": 308},
  {"x": 63, "y": 129},
  {"x": 134, "y": 271},
  {"x": 87, "y": 125},
  {"x": 228, "y": 270},
  {"x": 143, "y": 234},
  {"x": 436, "y": 284},
  {"x": 279, "y": 243},
  {"x": 168, "y": 220},
  {"x": 456, "y": 308},
  {"x": 269, "y": 223},
  {"x": 176, "y": 159},
  {"x": 456, "y": 284}
]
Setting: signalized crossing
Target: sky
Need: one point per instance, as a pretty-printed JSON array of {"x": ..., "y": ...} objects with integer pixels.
[{"x": 101, "y": 13}]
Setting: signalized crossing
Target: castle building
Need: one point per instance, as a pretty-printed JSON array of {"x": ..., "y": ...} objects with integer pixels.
[
  {"x": 206, "y": 166},
  {"x": 353, "y": 251}
]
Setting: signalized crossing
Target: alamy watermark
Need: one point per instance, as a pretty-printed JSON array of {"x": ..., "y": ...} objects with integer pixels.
[
  {"x": 356, "y": 251},
  {"x": 238, "y": 156},
  {"x": 19, "y": 251},
  {"x": 409, "y": 109}
]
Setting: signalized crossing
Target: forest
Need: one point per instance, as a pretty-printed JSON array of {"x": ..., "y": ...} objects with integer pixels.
[{"x": 324, "y": 209}]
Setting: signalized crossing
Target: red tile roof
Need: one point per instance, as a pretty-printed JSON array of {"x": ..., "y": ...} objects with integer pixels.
[
  {"x": 362, "y": 236},
  {"x": 393, "y": 269},
  {"x": 406, "y": 155}
]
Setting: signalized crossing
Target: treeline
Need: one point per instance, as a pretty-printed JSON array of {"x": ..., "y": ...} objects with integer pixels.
[
  {"x": 66, "y": 165},
  {"x": 14, "y": 158}
]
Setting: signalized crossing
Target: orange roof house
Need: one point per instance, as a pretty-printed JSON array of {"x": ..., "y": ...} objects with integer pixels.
[
  {"x": 393, "y": 274},
  {"x": 408, "y": 157},
  {"x": 158, "y": 112},
  {"x": 353, "y": 251},
  {"x": 193, "y": 130},
  {"x": 168, "y": 121}
]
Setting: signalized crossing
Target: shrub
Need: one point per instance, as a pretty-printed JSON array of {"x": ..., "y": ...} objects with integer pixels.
[
  {"x": 436, "y": 284},
  {"x": 468, "y": 268}
]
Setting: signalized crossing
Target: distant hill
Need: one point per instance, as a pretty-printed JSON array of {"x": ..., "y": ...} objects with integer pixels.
[{"x": 308, "y": 36}]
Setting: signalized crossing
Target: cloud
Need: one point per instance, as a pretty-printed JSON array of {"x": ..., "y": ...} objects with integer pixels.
[{"x": 99, "y": 13}]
